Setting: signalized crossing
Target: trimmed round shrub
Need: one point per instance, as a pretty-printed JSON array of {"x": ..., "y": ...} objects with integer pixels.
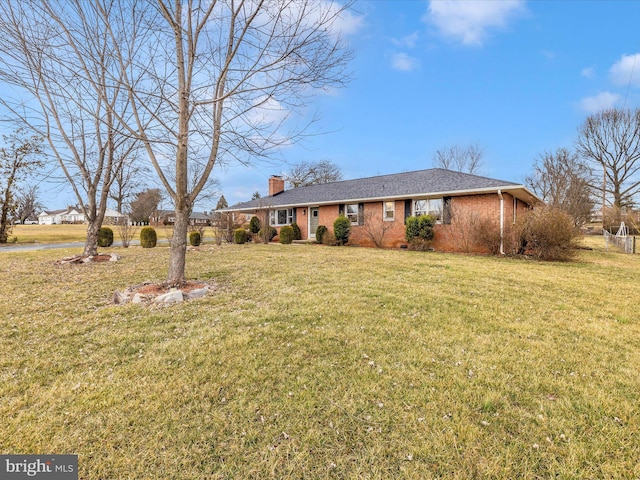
[
  {"x": 297, "y": 234},
  {"x": 286, "y": 234},
  {"x": 342, "y": 229},
  {"x": 254, "y": 225},
  {"x": 105, "y": 237},
  {"x": 420, "y": 227},
  {"x": 195, "y": 239},
  {"x": 266, "y": 234},
  {"x": 239, "y": 236},
  {"x": 148, "y": 237},
  {"x": 320, "y": 233}
]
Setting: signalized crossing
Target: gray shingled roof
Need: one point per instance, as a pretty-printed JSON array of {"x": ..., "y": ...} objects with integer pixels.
[{"x": 421, "y": 183}]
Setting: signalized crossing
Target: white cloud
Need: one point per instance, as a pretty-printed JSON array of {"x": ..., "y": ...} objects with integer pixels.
[
  {"x": 601, "y": 101},
  {"x": 407, "y": 41},
  {"x": 330, "y": 15},
  {"x": 469, "y": 21},
  {"x": 267, "y": 111},
  {"x": 588, "y": 72},
  {"x": 404, "y": 63},
  {"x": 626, "y": 70}
]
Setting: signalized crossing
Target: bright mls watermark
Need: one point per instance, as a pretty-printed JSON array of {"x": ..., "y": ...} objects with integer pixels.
[{"x": 49, "y": 467}]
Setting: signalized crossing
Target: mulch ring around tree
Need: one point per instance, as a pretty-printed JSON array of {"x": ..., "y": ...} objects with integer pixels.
[{"x": 161, "y": 294}]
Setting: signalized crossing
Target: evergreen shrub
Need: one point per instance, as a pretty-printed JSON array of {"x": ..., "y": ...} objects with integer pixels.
[
  {"x": 254, "y": 224},
  {"x": 320, "y": 232},
  {"x": 148, "y": 237},
  {"x": 286, "y": 234},
  {"x": 239, "y": 236},
  {"x": 105, "y": 237},
  {"x": 297, "y": 234},
  {"x": 342, "y": 229},
  {"x": 194, "y": 239}
]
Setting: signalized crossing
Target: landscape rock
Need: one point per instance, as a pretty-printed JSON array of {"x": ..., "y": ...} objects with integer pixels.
[
  {"x": 197, "y": 293},
  {"x": 137, "y": 298},
  {"x": 120, "y": 298},
  {"x": 156, "y": 293},
  {"x": 174, "y": 296}
]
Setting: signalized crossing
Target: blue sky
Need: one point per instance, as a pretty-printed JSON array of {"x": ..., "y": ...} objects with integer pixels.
[{"x": 516, "y": 77}]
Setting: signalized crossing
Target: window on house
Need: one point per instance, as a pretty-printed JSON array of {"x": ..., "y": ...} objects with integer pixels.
[
  {"x": 281, "y": 217},
  {"x": 352, "y": 213},
  {"x": 389, "y": 211},
  {"x": 420, "y": 207},
  {"x": 432, "y": 207}
]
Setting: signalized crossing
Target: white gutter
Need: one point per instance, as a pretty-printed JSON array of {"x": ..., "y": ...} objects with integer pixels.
[{"x": 501, "y": 222}]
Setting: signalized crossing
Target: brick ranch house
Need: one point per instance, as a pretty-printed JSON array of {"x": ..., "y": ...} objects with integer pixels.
[
  {"x": 168, "y": 217},
  {"x": 378, "y": 206}
]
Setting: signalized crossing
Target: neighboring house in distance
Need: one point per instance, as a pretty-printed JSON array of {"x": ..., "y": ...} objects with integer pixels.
[
  {"x": 168, "y": 217},
  {"x": 384, "y": 202},
  {"x": 113, "y": 217},
  {"x": 74, "y": 215},
  {"x": 51, "y": 217}
]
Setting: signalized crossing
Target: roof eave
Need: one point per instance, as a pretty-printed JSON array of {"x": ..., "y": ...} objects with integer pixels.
[{"x": 526, "y": 196}]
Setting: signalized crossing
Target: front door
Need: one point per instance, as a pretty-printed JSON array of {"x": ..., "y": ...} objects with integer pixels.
[{"x": 314, "y": 214}]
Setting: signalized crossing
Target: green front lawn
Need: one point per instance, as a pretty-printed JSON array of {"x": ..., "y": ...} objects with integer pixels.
[{"x": 326, "y": 362}]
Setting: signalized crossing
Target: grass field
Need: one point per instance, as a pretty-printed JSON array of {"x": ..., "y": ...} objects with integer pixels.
[
  {"x": 22, "y": 234},
  {"x": 326, "y": 362},
  {"x": 48, "y": 233}
]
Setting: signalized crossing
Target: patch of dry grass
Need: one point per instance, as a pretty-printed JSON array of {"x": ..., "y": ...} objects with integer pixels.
[
  {"x": 67, "y": 233},
  {"x": 326, "y": 362},
  {"x": 48, "y": 233}
]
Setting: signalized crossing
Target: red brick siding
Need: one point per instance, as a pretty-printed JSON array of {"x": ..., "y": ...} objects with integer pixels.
[
  {"x": 302, "y": 219},
  {"x": 449, "y": 238}
]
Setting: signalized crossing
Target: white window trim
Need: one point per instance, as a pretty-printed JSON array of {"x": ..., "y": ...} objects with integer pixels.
[
  {"x": 392, "y": 218},
  {"x": 273, "y": 217},
  {"x": 346, "y": 212},
  {"x": 429, "y": 211}
]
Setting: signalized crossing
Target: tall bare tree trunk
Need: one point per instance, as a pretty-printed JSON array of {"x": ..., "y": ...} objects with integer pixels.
[{"x": 178, "y": 249}]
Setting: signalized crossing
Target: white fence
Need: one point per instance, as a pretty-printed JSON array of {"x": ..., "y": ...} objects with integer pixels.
[{"x": 624, "y": 242}]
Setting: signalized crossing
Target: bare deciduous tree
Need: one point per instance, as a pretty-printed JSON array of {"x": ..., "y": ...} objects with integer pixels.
[
  {"x": 19, "y": 157},
  {"x": 59, "y": 55},
  {"x": 375, "y": 228},
  {"x": 312, "y": 173},
  {"x": 462, "y": 227},
  {"x": 28, "y": 204},
  {"x": 197, "y": 82},
  {"x": 563, "y": 181},
  {"x": 467, "y": 159},
  {"x": 217, "y": 83},
  {"x": 128, "y": 177},
  {"x": 610, "y": 141},
  {"x": 126, "y": 231}
]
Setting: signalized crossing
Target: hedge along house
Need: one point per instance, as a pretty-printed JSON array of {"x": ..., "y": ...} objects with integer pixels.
[{"x": 378, "y": 206}]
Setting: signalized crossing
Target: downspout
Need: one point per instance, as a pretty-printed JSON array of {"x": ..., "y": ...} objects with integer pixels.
[{"x": 501, "y": 222}]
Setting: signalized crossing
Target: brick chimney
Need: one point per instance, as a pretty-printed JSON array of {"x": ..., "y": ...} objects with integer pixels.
[{"x": 276, "y": 184}]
